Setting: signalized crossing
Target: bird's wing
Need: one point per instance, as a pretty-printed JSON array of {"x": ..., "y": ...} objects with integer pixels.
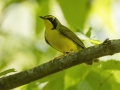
[{"x": 65, "y": 31}]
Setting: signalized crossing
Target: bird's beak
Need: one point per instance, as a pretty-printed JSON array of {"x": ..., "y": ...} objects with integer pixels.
[{"x": 42, "y": 17}]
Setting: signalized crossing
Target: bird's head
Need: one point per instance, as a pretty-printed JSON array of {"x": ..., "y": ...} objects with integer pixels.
[{"x": 50, "y": 21}]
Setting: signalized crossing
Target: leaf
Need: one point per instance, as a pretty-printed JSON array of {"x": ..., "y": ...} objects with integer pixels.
[
  {"x": 94, "y": 42},
  {"x": 88, "y": 33},
  {"x": 95, "y": 79},
  {"x": 111, "y": 65},
  {"x": 74, "y": 11},
  {"x": 7, "y": 71}
]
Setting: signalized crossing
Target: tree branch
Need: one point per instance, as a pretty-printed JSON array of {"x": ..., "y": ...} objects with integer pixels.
[{"x": 108, "y": 47}]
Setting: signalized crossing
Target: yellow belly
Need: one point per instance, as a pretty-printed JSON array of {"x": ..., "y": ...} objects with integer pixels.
[{"x": 60, "y": 42}]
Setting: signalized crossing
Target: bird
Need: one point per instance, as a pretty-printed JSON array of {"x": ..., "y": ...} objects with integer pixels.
[{"x": 60, "y": 37}]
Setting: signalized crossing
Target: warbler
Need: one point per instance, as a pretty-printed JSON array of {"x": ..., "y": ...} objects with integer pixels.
[{"x": 60, "y": 37}]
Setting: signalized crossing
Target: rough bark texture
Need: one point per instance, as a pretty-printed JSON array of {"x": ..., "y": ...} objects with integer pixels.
[{"x": 108, "y": 47}]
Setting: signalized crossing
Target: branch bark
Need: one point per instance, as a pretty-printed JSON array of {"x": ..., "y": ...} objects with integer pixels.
[{"x": 108, "y": 47}]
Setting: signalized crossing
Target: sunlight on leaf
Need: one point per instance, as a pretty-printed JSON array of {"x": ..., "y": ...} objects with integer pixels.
[{"x": 95, "y": 42}]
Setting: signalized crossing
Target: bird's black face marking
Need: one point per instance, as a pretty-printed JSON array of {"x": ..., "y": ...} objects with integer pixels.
[
  {"x": 54, "y": 23},
  {"x": 52, "y": 19}
]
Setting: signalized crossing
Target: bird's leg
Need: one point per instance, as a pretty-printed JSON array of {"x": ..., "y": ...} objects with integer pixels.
[
  {"x": 58, "y": 57},
  {"x": 64, "y": 54}
]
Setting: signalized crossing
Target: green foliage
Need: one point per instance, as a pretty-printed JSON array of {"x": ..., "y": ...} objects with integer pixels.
[
  {"x": 95, "y": 42},
  {"x": 111, "y": 65},
  {"x": 24, "y": 48},
  {"x": 7, "y": 72},
  {"x": 88, "y": 33},
  {"x": 75, "y": 12}
]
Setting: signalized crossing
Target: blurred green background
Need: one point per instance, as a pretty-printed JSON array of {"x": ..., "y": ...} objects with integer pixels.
[{"x": 22, "y": 44}]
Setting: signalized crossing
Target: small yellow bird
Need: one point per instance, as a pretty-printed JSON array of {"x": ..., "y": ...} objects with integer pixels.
[{"x": 60, "y": 37}]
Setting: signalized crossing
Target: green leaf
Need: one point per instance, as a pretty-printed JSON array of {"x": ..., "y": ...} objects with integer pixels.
[
  {"x": 74, "y": 11},
  {"x": 93, "y": 82},
  {"x": 7, "y": 72},
  {"x": 111, "y": 65},
  {"x": 55, "y": 82},
  {"x": 88, "y": 33},
  {"x": 94, "y": 42}
]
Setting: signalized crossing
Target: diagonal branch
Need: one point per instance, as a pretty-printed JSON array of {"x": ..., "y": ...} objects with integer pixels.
[{"x": 108, "y": 47}]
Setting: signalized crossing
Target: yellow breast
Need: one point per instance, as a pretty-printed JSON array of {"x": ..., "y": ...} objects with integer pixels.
[{"x": 60, "y": 42}]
